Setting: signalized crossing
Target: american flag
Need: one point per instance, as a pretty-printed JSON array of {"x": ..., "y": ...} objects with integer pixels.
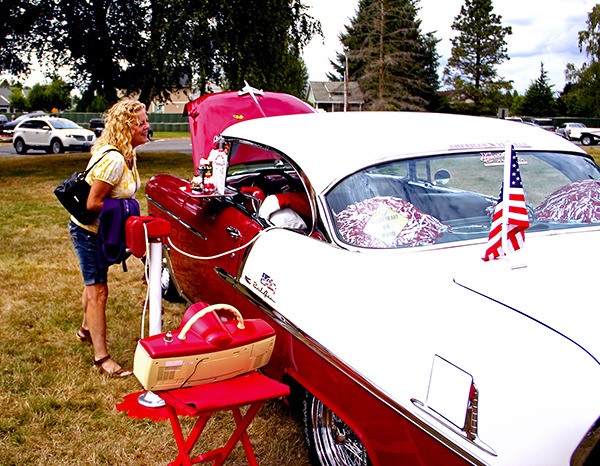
[{"x": 510, "y": 219}]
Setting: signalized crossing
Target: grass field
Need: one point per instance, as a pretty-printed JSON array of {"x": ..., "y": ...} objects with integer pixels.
[{"x": 56, "y": 409}]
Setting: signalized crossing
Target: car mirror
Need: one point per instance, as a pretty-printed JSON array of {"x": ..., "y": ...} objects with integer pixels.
[{"x": 46, "y": 128}]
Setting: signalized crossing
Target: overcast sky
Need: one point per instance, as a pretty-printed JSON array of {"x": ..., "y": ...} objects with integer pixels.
[{"x": 544, "y": 31}]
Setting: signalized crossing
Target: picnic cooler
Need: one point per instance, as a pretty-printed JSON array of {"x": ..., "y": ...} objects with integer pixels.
[{"x": 204, "y": 349}]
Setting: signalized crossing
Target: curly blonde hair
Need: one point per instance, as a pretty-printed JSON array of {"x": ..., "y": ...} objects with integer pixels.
[{"x": 118, "y": 123}]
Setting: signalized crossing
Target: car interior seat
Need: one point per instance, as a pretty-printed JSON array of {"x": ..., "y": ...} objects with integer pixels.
[{"x": 286, "y": 210}]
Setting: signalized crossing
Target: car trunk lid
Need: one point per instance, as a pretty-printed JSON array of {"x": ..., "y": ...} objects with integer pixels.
[
  {"x": 211, "y": 114},
  {"x": 545, "y": 281}
]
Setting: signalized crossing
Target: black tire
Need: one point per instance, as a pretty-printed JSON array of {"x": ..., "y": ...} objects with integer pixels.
[
  {"x": 56, "y": 147},
  {"x": 168, "y": 288},
  {"x": 587, "y": 140},
  {"x": 329, "y": 439},
  {"x": 20, "y": 146}
]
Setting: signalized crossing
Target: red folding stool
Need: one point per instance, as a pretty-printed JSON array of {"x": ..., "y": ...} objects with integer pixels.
[{"x": 202, "y": 401}]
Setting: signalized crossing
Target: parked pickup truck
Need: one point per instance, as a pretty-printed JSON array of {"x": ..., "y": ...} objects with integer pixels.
[{"x": 579, "y": 132}]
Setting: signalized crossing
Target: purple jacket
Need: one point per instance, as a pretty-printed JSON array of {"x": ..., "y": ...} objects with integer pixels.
[{"x": 111, "y": 243}]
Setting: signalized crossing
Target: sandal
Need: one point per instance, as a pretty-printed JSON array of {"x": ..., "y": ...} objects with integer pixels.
[
  {"x": 118, "y": 374},
  {"x": 84, "y": 335}
]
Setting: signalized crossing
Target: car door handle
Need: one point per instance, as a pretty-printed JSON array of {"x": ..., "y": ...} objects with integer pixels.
[{"x": 233, "y": 232}]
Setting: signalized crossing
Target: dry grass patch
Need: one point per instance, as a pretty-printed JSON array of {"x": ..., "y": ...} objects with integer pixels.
[
  {"x": 594, "y": 151},
  {"x": 56, "y": 409}
]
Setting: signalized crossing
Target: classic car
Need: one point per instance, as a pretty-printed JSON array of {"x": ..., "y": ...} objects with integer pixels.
[
  {"x": 579, "y": 132},
  {"x": 359, "y": 237}
]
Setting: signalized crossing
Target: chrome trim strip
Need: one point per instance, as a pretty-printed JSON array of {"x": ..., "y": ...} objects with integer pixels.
[
  {"x": 177, "y": 218},
  {"x": 474, "y": 440},
  {"x": 346, "y": 370}
]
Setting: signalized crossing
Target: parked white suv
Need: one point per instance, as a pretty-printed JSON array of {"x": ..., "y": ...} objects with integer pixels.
[{"x": 52, "y": 134}]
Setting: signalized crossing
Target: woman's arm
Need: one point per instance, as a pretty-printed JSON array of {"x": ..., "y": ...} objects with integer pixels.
[{"x": 98, "y": 191}]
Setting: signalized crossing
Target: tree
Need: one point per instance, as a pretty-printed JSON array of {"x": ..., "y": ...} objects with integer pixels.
[
  {"x": 476, "y": 51},
  {"x": 395, "y": 65},
  {"x": 261, "y": 42},
  {"x": 16, "y": 19},
  {"x": 49, "y": 97},
  {"x": 17, "y": 99},
  {"x": 581, "y": 96},
  {"x": 179, "y": 52},
  {"x": 154, "y": 47},
  {"x": 539, "y": 99}
]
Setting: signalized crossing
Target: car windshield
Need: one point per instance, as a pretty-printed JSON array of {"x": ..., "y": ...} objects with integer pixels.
[
  {"x": 436, "y": 200},
  {"x": 61, "y": 123},
  {"x": 247, "y": 158}
]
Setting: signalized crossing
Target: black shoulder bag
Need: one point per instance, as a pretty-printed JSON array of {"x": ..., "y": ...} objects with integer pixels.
[{"x": 73, "y": 194}]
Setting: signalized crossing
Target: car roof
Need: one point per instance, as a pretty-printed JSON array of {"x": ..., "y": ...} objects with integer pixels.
[{"x": 329, "y": 146}]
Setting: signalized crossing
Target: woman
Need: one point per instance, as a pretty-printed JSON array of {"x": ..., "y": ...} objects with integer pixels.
[{"x": 115, "y": 175}]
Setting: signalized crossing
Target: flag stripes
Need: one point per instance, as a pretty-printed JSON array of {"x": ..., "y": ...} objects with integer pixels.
[{"x": 510, "y": 214}]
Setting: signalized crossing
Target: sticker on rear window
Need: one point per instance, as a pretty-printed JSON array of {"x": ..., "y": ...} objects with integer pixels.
[{"x": 385, "y": 224}]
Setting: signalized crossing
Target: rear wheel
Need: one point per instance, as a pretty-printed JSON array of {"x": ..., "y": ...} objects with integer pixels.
[
  {"x": 330, "y": 441},
  {"x": 20, "y": 146},
  {"x": 587, "y": 140},
  {"x": 168, "y": 288}
]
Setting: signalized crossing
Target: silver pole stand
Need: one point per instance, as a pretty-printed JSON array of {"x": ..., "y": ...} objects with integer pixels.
[{"x": 150, "y": 399}]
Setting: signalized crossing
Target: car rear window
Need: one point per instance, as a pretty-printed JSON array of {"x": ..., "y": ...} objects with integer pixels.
[{"x": 435, "y": 200}]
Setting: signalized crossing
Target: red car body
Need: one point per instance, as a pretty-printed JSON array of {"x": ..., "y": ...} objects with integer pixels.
[{"x": 296, "y": 359}]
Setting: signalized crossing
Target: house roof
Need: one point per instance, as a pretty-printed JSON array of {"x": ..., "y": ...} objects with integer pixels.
[
  {"x": 4, "y": 93},
  {"x": 333, "y": 92}
]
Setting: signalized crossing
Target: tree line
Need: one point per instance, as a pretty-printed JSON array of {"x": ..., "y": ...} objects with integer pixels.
[{"x": 151, "y": 48}]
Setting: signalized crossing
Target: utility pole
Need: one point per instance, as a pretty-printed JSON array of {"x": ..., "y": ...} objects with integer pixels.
[{"x": 346, "y": 81}]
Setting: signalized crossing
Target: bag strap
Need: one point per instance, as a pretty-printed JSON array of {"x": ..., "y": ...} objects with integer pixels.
[{"x": 87, "y": 170}]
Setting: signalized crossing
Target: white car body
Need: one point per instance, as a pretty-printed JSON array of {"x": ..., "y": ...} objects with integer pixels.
[
  {"x": 431, "y": 335},
  {"x": 52, "y": 134},
  {"x": 577, "y": 132},
  {"x": 521, "y": 417}
]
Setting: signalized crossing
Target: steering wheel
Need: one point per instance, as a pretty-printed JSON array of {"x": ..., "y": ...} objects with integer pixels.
[{"x": 267, "y": 186}]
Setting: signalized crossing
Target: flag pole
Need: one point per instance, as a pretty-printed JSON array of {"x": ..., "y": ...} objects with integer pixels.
[{"x": 505, "y": 195}]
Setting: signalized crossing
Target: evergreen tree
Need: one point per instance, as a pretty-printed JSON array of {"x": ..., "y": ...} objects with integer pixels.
[
  {"x": 581, "y": 96},
  {"x": 394, "y": 64},
  {"x": 539, "y": 100},
  {"x": 476, "y": 51}
]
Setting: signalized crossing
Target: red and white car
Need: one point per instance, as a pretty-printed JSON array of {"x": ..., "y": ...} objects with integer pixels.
[{"x": 359, "y": 237}]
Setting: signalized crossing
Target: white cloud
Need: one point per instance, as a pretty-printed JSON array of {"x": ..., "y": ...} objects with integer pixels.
[{"x": 544, "y": 31}]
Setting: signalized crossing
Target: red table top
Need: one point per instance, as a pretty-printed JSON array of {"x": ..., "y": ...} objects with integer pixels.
[{"x": 218, "y": 396}]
